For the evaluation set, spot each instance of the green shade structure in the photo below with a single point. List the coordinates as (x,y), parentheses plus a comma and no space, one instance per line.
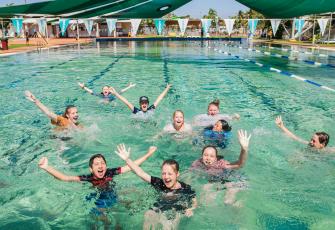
(289,8)
(95,8)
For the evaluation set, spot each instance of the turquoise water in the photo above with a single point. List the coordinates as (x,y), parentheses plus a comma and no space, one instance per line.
(289,186)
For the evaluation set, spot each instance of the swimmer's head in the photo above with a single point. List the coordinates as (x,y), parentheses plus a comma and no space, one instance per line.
(213,108)
(319,140)
(222,126)
(170,173)
(144,103)
(178,119)
(209,155)
(105,90)
(71,113)
(98,165)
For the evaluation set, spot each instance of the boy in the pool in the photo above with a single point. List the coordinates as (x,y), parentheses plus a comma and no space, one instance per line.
(144,102)
(176,197)
(101,178)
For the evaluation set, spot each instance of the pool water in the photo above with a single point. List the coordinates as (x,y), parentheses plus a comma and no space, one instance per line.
(289,185)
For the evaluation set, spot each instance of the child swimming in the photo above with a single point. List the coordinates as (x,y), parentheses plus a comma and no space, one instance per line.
(176,197)
(319,140)
(144,102)
(213,115)
(105,92)
(101,178)
(69,120)
(216,168)
(218,134)
(178,128)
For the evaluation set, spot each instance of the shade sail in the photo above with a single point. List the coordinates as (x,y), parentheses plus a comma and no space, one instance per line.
(290,8)
(94,8)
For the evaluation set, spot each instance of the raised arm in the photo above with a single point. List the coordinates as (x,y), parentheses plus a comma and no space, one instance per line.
(129,86)
(244,139)
(43,164)
(124,155)
(124,100)
(280,124)
(162,95)
(82,85)
(42,107)
(140,160)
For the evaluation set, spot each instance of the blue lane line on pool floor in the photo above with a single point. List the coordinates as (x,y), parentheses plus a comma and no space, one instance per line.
(275,70)
(282,56)
(103,72)
(297,51)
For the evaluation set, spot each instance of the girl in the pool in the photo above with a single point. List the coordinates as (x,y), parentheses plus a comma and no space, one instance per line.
(213,115)
(105,92)
(217,134)
(178,128)
(69,120)
(176,197)
(218,169)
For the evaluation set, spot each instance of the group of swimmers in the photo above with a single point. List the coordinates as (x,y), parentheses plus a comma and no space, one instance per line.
(175,196)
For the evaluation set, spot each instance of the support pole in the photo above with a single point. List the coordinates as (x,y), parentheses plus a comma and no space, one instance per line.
(2,29)
(313,38)
(78,30)
(293,29)
(97,32)
(330,26)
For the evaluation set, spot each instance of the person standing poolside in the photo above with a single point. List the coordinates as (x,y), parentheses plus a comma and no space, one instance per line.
(144,102)
(176,197)
(319,140)
(69,120)
(213,115)
(101,177)
(218,169)
(105,92)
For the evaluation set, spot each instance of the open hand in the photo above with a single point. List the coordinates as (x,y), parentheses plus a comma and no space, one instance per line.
(112,90)
(123,152)
(152,149)
(243,138)
(189,212)
(82,85)
(236,116)
(30,96)
(43,163)
(131,84)
(279,122)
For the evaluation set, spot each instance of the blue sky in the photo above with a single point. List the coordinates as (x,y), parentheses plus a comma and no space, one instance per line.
(196,8)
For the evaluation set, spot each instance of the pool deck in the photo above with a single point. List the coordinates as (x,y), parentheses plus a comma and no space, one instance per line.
(330,47)
(35,43)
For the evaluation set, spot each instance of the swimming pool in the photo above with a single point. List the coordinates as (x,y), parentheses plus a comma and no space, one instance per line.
(289,186)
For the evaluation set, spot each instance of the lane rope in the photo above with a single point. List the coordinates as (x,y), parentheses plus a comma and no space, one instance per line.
(272,69)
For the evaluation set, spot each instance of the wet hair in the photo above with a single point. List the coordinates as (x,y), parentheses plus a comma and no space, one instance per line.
(216,102)
(173,163)
(225,125)
(323,138)
(96,156)
(174,113)
(67,110)
(210,146)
